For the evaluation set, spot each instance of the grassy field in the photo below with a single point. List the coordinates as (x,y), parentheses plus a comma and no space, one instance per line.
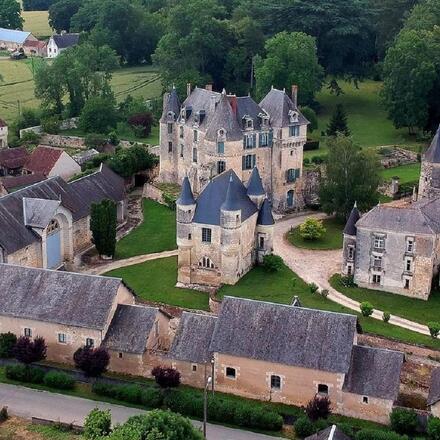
(156,233)
(367,119)
(155,281)
(282,286)
(37,22)
(407,173)
(332,238)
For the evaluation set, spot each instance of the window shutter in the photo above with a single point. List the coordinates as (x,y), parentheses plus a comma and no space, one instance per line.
(244,142)
(260,139)
(270,138)
(243,162)
(297,173)
(254,160)
(254,140)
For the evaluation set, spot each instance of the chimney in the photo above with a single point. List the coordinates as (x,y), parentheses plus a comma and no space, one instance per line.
(295,95)
(166,97)
(188,89)
(208,87)
(233,102)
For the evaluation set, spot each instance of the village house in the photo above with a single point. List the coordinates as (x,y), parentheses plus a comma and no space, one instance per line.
(395,247)
(58,43)
(434,393)
(35,48)
(51,162)
(214,132)
(12,161)
(222,233)
(12,40)
(47,224)
(3,134)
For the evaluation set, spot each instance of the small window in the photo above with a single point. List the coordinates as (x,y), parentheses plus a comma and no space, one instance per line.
(249,141)
(365,400)
(349,270)
(195,155)
(207,263)
(264,139)
(293,130)
(181,150)
(220,147)
(170,128)
(120,355)
(206,235)
(194,367)
(292,174)
(170,147)
(249,161)
(379,242)
(261,242)
(408,264)
(189,236)
(62,338)
(376,279)
(181,132)
(196,135)
(377,262)
(90,342)
(249,123)
(350,255)
(230,372)
(275,382)
(410,244)
(406,285)
(28,332)
(323,389)
(221,166)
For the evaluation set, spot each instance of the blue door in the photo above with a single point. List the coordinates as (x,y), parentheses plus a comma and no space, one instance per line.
(54,259)
(290,199)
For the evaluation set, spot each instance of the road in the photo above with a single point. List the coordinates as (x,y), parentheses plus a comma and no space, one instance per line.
(26,402)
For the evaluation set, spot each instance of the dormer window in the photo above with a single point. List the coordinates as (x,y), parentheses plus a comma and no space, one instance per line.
(171,115)
(248,123)
(182,115)
(293,116)
(221,132)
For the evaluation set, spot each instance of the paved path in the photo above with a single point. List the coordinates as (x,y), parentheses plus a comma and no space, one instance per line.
(319,266)
(98,270)
(26,402)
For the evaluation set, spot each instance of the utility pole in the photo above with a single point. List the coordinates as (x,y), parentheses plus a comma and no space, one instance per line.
(205,405)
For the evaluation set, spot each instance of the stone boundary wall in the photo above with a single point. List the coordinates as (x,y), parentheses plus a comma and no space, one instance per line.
(38,129)
(399,156)
(152,192)
(57,140)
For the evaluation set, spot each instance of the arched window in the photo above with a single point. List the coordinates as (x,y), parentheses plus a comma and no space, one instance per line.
(207,263)
(53,226)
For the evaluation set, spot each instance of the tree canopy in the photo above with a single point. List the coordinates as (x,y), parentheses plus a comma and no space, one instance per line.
(10,14)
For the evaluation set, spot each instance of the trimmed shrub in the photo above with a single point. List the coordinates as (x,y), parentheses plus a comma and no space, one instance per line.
(313,288)
(433,428)
(4,414)
(272,263)
(151,397)
(129,393)
(97,424)
(366,308)
(373,434)
(166,377)
(25,373)
(311,145)
(304,427)
(348,281)
(28,351)
(7,344)
(386,316)
(434,328)
(60,380)
(312,229)
(318,408)
(403,421)
(92,361)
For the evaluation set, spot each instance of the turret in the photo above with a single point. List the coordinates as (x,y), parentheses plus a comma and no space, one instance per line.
(265,230)
(349,245)
(429,183)
(255,189)
(230,211)
(185,208)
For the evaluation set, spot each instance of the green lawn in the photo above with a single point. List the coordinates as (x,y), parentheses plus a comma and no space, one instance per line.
(406,173)
(37,22)
(156,233)
(367,119)
(155,281)
(414,309)
(279,288)
(332,238)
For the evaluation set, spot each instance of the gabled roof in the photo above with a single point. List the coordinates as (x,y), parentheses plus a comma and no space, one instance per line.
(374,372)
(433,153)
(209,202)
(13,157)
(246,106)
(43,159)
(186,195)
(350,226)
(330,433)
(64,41)
(193,337)
(56,296)
(255,185)
(11,183)
(172,104)
(278,104)
(39,212)
(130,328)
(13,36)
(265,217)
(283,334)
(434,389)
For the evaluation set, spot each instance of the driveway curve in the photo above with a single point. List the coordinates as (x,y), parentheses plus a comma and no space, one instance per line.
(318,266)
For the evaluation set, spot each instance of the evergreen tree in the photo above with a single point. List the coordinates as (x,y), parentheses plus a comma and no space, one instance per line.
(338,122)
(103,225)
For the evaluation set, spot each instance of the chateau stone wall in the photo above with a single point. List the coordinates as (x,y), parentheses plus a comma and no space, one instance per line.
(82,235)
(57,140)
(30,256)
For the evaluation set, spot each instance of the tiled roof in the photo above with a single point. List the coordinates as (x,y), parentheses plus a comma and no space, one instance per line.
(65,40)
(285,334)
(43,159)
(13,36)
(11,183)
(56,296)
(374,372)
(13,157)
(434,389)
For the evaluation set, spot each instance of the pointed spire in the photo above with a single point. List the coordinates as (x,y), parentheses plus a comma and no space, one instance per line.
(224,91)
(255,186)
(265,217)
(186,196)
(350,226)
(232,202)
(433,153)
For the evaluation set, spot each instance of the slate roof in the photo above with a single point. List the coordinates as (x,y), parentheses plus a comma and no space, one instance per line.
(3,123)
(265,216)
(255,185)
(193,337)
(76,197)
(39,212)
(43,159)
(130,328)
(433,153)
(56,296)
(11,183)
(278,104)
(285,335)
(186,195)
(172,105)
(350,226)
(246,106)
(330,433)
(13,36)
(13,157)
(374,372)
(65,40)
(212,197)
(434,389)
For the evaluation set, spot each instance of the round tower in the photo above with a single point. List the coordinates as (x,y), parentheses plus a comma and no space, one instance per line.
(349,244)
(429,183)
(265,230)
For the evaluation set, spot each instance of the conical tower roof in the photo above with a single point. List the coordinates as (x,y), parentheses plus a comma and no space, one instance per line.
(186,195)
(433,153)
(172,105)
(350,226)
(265,217)
(255,185)
(232,201)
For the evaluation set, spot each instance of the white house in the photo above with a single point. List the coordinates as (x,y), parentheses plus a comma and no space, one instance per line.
(3,134)
(58,43)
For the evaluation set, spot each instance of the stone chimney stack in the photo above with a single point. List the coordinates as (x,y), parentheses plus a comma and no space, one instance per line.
(233,102)
(295,95)
(188,89)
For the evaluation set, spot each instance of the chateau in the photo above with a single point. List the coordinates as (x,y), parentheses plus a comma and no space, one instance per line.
(395,247)
(222,233)
(214,132)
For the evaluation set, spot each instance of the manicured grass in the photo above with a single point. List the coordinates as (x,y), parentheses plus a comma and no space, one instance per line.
(411,308)
(37,22)
(53,433)
(367,119)
(332,238)
(155,281)
(279,287)
(156,233)
(406,173)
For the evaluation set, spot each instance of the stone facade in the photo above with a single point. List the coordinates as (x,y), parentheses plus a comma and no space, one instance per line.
(213,132)
(3,134)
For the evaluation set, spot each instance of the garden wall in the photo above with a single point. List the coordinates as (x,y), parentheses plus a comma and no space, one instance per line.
(67,124)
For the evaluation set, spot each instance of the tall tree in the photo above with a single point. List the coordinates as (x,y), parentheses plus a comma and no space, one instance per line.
(103,226)
(61,13)
(351,175)
(338,122)
(290,59)
(10,14)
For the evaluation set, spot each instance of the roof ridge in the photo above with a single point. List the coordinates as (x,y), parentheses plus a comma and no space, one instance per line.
(33,184)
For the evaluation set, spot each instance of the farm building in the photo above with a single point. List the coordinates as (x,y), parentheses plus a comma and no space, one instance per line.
(13,40)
